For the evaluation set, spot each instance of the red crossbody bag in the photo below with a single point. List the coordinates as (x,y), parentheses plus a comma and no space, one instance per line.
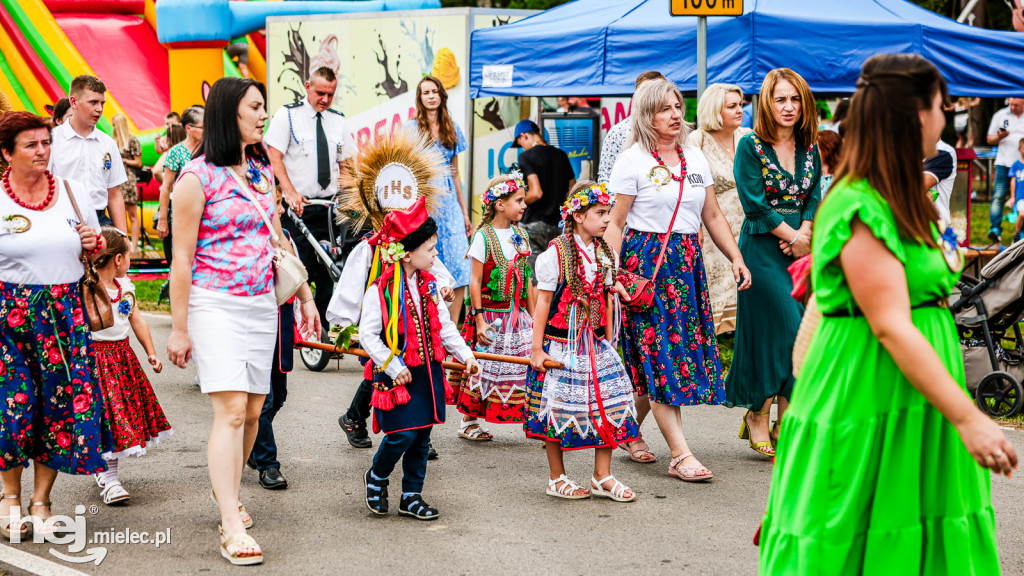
(640,289)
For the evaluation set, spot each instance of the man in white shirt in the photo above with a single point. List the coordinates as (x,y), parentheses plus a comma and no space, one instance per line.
(81,152)
(939,175)
(1005,130)
(307,143)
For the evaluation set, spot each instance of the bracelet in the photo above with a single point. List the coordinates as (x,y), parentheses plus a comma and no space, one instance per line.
(798,234)
(306,300)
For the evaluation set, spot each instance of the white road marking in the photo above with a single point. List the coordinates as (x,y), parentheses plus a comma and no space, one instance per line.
(34,564)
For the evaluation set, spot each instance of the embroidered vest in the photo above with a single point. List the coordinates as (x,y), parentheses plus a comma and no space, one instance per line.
(590,298)
(505,280)
(416,335)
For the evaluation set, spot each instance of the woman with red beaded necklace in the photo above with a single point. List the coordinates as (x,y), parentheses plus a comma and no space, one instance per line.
(53,414)
(666,192)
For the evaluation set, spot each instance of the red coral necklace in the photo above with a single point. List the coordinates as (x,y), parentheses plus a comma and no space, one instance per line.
(23,204)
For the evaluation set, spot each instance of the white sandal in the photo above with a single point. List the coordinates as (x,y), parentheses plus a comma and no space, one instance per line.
(616,493)
(114,493)
(476,434)
(566,489)
(99,480)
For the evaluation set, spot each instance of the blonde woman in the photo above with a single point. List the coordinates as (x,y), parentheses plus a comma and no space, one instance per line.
(665,193)
(719,115)
(131,155)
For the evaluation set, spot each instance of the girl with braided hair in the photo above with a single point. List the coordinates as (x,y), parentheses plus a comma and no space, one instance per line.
(589,402)
(500,314)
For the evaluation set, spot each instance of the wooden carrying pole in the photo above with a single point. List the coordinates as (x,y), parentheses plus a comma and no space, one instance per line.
(447,365)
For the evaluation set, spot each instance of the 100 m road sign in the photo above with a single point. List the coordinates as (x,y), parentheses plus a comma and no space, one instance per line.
(706,7)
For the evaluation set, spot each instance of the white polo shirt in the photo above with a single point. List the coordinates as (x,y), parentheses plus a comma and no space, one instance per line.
(293,133)
(1007,153)
(94,161)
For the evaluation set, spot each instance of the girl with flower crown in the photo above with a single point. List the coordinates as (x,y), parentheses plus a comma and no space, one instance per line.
(500,315)
(588,403)
(129,403)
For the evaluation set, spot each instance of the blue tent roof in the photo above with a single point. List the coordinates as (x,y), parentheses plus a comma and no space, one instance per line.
(598,47)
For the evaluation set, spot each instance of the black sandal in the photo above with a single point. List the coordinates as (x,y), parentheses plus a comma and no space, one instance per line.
(415,506)
(376,494)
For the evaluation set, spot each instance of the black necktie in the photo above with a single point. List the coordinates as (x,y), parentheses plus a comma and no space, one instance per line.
(323,163)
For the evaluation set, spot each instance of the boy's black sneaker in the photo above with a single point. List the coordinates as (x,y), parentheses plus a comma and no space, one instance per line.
(415,506)
(355,432)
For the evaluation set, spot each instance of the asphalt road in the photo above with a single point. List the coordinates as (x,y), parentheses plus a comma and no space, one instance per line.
(495,517)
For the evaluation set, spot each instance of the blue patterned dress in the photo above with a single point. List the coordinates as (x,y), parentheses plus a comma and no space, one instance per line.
(452,242)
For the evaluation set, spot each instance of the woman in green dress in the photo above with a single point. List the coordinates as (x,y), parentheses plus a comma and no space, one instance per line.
(778,172)
(877,465)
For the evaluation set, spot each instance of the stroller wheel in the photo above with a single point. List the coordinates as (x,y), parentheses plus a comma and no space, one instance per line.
(999,395)
(316,360)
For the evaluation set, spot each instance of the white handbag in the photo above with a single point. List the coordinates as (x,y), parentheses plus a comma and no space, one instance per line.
(289,272)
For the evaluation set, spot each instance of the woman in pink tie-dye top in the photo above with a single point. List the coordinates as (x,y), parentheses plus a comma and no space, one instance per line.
(233,248)
(223,306)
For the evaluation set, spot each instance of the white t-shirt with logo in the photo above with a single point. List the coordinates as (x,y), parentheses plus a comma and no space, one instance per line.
(652,208)
(48,252)
(1008,146)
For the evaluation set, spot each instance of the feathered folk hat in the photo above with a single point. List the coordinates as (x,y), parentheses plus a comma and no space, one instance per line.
(389,174)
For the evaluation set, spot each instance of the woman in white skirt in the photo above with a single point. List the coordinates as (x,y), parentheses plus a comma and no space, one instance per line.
(224,312)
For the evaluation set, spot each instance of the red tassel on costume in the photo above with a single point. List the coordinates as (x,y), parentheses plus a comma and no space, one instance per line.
(449,392)
(401,395)
(368,371)
(397,396)
(382,400)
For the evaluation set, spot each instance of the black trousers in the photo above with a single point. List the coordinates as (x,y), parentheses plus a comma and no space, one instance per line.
(315,218)
(359,409)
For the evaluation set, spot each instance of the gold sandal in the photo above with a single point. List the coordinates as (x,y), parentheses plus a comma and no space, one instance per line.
(763,448)
(246,518)
(7,521)
(231,548)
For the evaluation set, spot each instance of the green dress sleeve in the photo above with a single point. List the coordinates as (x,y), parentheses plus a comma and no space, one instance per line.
(760,217)
(814,192)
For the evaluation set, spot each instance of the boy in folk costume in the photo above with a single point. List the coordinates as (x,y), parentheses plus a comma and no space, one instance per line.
(365,196)
(407,335)
(589,403)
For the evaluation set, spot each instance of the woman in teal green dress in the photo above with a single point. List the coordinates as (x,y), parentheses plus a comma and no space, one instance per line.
(778,174)
(878,462)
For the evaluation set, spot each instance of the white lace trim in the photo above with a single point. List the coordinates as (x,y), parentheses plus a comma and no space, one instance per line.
(138,451)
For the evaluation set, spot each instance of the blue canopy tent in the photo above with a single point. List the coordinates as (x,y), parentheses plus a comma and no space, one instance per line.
(598,47)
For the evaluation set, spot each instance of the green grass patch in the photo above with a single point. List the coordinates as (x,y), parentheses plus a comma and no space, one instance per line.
(146,294)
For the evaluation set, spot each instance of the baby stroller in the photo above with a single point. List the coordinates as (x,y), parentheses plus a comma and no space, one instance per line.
(333,252)
(988,313)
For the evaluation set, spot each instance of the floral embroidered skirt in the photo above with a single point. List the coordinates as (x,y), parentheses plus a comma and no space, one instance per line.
(568,406)
(136,419)
(53,412)
(671,348)
(498,393)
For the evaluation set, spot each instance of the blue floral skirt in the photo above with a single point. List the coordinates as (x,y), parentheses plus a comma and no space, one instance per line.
(671,348)
(54,411)
(452,243)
